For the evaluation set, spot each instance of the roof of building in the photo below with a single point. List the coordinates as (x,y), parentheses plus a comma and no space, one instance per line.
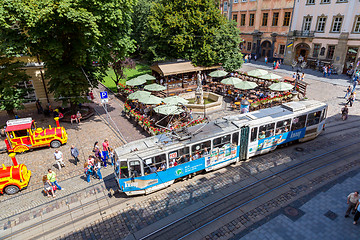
(18,124)
(174,68)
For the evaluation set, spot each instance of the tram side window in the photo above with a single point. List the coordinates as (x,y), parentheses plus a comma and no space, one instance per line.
(282,126)
(155,164)
(200,149)
(266,131)
(298,122)
(253,134)
(135,169)
(313,118)
(179,157)
(235,139)
(124,172)
(221,141)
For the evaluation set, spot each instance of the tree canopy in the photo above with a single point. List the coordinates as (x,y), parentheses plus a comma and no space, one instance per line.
(68,36)
(192,29)
(12,94)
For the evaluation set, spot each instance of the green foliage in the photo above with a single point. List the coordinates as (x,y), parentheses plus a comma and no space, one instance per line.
(12,96)
(68,35)
(191,29)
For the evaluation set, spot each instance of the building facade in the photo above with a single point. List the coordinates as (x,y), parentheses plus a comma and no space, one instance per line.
(264,25)
(325,32)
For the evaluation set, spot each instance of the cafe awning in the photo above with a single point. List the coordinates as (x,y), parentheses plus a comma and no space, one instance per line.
(174,68)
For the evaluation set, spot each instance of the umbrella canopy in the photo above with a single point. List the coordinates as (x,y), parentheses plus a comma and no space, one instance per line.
(231,81)
(138,94)
(281,86)
(245,85)
(150,100)
(168,110)
(146,77)
(218,73)
(135,82)
(270,76)
(154,87)
(257,73)
(175,100)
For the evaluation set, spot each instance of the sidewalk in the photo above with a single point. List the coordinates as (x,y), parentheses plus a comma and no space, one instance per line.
(286,70)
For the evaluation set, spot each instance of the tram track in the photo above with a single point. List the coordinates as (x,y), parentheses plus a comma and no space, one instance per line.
(189,224)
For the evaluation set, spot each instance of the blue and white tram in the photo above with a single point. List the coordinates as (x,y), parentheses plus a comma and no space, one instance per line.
(153,163)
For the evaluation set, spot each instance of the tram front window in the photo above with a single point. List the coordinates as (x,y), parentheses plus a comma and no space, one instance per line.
(124,172)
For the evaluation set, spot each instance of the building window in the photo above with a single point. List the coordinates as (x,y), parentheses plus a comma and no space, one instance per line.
(225,6)
(357,25)
(236,1)
(275,19)
(287,19)
(310,2)
(337,21)
(242,20)
(243,0)
(322,51)
(307,24)
(235,17)
(325,1)
(252,18)
(341,1)
(330,52)
(265,19)
(249,46)
(321,24)
(282,49)
(316,50)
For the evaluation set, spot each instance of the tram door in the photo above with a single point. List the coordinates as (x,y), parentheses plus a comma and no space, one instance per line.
(244,140)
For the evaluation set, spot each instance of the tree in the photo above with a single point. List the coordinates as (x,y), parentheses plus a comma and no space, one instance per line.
(12,95)
(192,29)
(119,66)
(69,35)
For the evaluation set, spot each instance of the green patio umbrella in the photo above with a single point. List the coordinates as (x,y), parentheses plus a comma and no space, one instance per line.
(231,81)
(135,82)
(150,100)
(168,110)
(270,76)
(244,85)
(138,94)
(257,73)
(218,73)
(154,87)
(174,100)
(146,77)
(281,86)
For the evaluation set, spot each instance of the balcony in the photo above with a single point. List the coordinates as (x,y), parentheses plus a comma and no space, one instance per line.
(302,34)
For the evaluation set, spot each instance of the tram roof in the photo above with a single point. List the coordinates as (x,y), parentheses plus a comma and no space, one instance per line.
(152,145)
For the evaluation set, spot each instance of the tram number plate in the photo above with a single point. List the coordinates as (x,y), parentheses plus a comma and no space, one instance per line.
(173,155)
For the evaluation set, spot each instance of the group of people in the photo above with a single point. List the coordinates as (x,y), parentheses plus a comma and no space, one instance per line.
(248,58)
(350,97)
(50,183)
(76,117)
(327,70)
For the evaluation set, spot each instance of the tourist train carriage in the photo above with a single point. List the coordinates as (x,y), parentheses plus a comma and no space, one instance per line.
(153,163)
(14,178)
(22,135)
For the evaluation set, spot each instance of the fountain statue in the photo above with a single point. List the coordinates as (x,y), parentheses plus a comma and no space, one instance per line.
(199,93)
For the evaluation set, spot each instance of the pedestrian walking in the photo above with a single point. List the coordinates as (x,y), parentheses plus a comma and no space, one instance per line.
(53,180)
(266,59)
(352,200)
(355,83)
(350,99)
(48,188)
(348,91)
(105,152)
(246,58)
(88,171)
(112,156)
(59,159)
(97,168)
(274,65)
(325,70)
(75,153)
(357,213)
